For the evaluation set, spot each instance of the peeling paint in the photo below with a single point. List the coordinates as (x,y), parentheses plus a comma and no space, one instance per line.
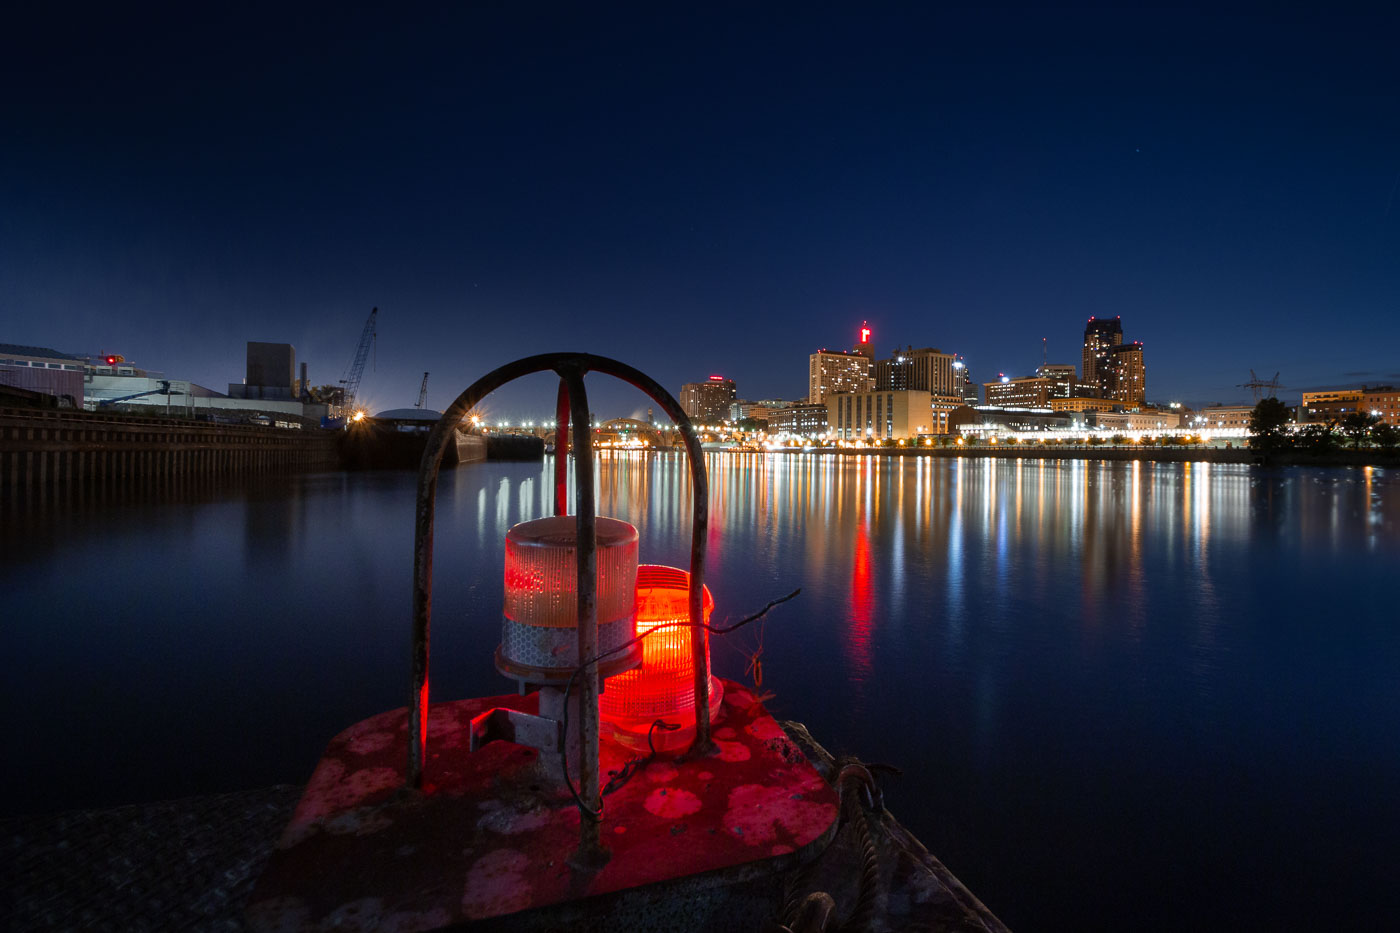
(508,821)
(765,729)
(732,751)
(670,803)
(760,816)
(358,822)
(496,884)
(370,742)
(361,849)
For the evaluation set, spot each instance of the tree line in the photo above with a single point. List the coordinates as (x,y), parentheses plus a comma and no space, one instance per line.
(1270,431)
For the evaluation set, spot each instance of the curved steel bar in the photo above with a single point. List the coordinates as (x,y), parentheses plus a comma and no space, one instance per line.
(423,531)
(590,851)
(561,449)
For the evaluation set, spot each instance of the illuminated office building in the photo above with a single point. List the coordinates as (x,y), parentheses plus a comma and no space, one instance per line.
(832,371)
(881,415)
(1122,376)
(1100,336)
(708,402)
(927,369)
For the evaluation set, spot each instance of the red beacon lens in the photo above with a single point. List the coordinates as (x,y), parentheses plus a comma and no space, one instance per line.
(664,686)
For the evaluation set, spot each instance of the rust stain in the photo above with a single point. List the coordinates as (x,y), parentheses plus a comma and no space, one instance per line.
(486,837)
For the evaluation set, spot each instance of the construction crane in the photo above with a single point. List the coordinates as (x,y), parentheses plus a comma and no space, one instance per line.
(422,392)
(351,382)
(1259,385)
(163,390)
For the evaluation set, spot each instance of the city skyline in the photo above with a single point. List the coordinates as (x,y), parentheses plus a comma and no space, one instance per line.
(506,181)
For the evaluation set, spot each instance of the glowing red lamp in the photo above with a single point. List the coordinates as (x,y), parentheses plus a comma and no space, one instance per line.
(539,630)
(664,686)
(539,635)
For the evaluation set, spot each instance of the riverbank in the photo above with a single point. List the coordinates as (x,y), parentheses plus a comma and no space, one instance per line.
(45,450)
(1183,454)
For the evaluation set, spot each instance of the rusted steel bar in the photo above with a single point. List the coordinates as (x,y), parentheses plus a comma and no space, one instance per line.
(590,851)
(423,546)
(699,530)
(561,450)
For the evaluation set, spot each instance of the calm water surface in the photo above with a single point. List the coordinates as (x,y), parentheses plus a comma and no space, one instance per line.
(1123,695)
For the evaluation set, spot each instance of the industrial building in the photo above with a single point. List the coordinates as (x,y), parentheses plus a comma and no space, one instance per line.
(45,371)
(270,373)
(113,383)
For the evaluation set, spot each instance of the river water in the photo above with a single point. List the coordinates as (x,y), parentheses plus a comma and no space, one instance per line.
(1122,695)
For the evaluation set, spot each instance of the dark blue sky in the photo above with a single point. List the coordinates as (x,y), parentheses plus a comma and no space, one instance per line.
(704,189)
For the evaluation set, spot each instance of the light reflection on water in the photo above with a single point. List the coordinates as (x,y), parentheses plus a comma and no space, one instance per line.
(1121,678)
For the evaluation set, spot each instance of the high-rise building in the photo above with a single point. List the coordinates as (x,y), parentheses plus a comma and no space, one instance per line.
(708,402)
(1122,376)
(963,386)
(830,371)
(864,346)
(927,369)
(1100,334)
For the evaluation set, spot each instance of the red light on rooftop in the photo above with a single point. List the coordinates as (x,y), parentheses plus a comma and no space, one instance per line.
(716,378)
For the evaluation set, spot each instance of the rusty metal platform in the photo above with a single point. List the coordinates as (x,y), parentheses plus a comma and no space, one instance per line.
(486,839)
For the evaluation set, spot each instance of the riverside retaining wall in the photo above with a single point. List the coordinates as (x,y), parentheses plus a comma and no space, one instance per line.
(42,450)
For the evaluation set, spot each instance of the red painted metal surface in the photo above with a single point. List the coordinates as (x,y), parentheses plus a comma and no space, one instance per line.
(485,837)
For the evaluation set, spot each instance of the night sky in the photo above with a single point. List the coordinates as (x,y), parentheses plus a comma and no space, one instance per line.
(703,189)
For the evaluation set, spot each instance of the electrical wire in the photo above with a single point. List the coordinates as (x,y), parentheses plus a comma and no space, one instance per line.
(597,815)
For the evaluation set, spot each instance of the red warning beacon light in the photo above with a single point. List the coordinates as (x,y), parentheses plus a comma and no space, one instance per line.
(664,686)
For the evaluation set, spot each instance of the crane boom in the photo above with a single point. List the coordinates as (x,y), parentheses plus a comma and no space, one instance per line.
(422,392)
(357,365)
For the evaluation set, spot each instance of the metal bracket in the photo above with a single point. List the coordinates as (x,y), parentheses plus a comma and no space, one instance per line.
(511,725)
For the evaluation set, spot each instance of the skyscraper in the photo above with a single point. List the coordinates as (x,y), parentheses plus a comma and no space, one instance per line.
(830,371)
(1099,335)
(1123,375)
(708,402)
(926,369)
